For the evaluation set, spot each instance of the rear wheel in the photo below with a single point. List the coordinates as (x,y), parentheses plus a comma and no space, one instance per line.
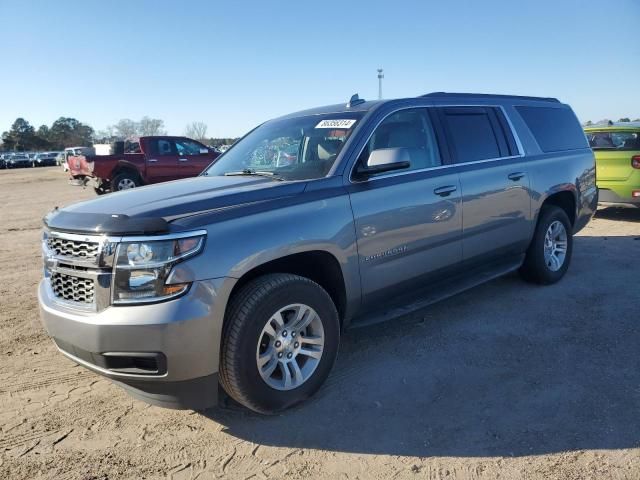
(549,254)
(125,181)
(280,340)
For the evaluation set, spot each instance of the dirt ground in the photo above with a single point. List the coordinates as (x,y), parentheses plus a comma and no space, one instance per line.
(508,380)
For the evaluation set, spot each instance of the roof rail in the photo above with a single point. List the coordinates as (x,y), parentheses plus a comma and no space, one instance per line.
(487,95)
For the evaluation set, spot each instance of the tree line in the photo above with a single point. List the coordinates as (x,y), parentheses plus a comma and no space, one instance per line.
(69,132)
(605,121)
(64,132)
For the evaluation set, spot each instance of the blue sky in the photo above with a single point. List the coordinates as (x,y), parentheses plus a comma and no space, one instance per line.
(236,63)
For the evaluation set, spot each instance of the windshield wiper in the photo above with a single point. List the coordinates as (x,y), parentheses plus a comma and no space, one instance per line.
(248,171)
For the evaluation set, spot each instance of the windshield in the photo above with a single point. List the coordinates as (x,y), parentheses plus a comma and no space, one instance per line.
(611,140)
(300,148)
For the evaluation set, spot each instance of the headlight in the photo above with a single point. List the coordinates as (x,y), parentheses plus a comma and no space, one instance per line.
(143,267)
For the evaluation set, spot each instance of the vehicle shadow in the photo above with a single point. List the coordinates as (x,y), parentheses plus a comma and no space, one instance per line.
(505,369)
(620,213)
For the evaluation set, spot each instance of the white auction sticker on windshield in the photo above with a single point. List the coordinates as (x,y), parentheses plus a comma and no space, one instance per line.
(336,123)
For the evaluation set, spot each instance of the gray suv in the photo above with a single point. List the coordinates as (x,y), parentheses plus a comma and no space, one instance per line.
(239,283)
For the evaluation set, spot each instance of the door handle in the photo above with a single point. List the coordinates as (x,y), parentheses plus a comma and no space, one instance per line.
(152,160)
(445,191)
(515,176)
(182,159)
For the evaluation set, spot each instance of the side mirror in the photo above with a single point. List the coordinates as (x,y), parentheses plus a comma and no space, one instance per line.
(385,160)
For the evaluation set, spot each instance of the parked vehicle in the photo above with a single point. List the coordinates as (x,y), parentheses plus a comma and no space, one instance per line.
(248,274)
(47,159)
(3,161)
(60,159)
(617,151)
(75,151)
(18,160)
(152,160)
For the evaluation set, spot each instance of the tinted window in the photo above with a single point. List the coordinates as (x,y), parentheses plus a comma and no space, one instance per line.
(188,147)
(471,134)
(555,129)
(162,147)
(611,140)
(410,129)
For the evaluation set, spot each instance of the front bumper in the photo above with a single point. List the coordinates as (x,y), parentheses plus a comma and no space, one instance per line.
(182,335)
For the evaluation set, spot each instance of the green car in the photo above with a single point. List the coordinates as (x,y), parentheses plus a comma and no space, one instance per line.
(617,150)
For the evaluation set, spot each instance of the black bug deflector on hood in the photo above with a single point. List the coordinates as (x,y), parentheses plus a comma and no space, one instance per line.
(151,210)
(75,222)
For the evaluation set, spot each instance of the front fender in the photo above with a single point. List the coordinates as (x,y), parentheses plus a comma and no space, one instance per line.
(310,222)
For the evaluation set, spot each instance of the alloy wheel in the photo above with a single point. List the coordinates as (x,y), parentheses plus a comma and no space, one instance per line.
(555,246)
(290,347)
(126,183)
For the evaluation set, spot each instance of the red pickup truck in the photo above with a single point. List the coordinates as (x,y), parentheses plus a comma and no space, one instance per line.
(152,160)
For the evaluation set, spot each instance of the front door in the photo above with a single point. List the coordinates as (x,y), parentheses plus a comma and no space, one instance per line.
(193,158)
(162,161)
(408,222)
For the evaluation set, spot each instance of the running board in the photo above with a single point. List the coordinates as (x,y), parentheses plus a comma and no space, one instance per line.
(437,291)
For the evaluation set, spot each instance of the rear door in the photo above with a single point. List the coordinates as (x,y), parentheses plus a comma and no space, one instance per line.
(162,160)
(193,157)
(496,198)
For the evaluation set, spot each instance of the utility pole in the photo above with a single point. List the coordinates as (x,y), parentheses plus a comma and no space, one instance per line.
(380,77)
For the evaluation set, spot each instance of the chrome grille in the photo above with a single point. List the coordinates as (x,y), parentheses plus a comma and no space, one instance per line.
(72,288)
(73,248)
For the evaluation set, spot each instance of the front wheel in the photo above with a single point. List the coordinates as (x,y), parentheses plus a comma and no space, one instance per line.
(280,340)
(549,254)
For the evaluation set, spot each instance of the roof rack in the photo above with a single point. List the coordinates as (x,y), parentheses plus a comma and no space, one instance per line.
(486,95)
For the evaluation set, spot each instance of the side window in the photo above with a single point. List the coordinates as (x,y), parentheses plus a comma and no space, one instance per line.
(187,147)
(555,128)
(473,134)
(162,146)
(410,129)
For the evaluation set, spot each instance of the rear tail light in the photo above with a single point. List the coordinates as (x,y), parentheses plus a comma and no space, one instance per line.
(635,161)
(635,194)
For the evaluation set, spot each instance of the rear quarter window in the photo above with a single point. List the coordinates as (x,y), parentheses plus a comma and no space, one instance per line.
(555,129)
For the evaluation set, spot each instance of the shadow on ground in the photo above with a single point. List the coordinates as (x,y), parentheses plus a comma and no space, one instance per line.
(620,213)
(505,369)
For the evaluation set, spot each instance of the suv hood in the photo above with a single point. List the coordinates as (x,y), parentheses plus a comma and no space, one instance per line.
(150,209)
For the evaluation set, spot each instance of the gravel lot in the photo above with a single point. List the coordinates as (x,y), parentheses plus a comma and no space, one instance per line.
(508,380)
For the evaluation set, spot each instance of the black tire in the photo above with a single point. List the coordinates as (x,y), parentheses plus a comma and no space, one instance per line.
(535,269)
(248,312)
(124,177)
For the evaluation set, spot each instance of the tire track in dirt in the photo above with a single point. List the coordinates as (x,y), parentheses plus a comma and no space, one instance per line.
(38,383)
(11,441)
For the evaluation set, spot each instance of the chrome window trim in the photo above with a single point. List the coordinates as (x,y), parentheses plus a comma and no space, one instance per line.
(439,167)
